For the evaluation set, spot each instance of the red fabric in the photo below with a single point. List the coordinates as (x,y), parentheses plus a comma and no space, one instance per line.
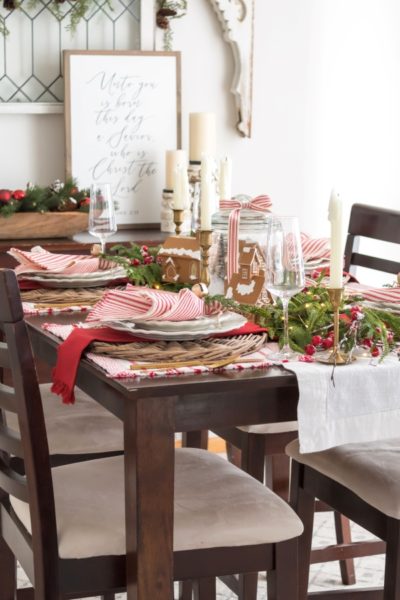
(70,351)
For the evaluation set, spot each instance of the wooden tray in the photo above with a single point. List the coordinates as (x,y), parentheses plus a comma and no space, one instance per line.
(34,225)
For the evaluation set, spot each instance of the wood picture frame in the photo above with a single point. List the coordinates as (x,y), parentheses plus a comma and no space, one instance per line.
(122,112)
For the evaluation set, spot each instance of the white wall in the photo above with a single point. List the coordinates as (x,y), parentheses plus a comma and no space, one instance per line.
(326,106)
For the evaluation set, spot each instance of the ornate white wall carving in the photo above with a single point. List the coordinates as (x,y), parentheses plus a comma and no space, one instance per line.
(237,20)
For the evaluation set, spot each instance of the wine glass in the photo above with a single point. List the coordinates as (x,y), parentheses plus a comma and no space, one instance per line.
(102,223)
(284,269)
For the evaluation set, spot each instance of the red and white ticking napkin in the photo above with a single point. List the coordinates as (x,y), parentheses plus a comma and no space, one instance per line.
(77,339)
(391,294)
(145,304)
(39,259)
(314,248)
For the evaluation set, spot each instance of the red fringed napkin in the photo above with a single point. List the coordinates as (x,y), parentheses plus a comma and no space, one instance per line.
(70,351)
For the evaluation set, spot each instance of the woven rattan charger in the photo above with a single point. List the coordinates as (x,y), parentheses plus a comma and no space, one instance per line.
(210,352)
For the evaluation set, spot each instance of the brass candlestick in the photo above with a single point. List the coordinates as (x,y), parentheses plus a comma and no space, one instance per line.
(336,357)
(205,245)
(178,219)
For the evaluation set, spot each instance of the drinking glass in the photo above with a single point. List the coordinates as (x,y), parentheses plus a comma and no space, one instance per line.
(102,223)
(284,273)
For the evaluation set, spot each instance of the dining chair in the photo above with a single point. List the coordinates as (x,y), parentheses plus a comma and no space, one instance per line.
(260,449)
(362,481)
(66,525)
(374,223)
(87,431)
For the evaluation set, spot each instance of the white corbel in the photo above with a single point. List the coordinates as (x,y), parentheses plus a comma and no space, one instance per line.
(237,20)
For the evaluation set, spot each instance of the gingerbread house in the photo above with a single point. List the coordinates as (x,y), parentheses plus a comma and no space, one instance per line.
(180,259)
(247,284)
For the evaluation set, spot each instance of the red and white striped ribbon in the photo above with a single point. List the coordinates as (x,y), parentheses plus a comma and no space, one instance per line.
(261,204)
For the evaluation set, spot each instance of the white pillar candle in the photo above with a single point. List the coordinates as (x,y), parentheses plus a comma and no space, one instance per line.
(336,220)
(178,200)
(205,193)
(202,135)
(184,186)
(225,178)
(172,159)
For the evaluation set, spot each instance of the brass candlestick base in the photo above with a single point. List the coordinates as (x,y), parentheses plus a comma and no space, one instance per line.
(178,219)
(205,245)
(336,357)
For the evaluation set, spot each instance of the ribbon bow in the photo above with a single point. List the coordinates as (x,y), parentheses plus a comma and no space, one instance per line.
(261,204)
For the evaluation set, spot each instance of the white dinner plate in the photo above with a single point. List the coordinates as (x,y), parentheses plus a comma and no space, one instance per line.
(82,282)
(182,334)
(216,322)
(67,276)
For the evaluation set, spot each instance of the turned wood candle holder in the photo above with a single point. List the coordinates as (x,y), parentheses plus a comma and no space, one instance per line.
(205,245)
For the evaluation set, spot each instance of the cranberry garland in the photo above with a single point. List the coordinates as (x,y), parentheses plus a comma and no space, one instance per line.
(56,197)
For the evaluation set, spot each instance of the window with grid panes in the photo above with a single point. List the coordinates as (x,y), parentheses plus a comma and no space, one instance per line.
(31,54)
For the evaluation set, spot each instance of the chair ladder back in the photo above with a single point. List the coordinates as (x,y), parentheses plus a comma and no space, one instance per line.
(374,223)
(4,357)
(36,486)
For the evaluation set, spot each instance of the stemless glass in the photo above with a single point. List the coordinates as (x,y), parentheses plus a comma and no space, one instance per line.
(102,223)
(284,273)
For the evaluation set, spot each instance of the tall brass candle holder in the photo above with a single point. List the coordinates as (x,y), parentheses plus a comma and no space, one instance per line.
(336,357)
(205,245)
(178,219)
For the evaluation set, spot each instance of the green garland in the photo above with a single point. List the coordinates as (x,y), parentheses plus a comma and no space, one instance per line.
(310,322)
(76,11)
(310,311)
(57,197)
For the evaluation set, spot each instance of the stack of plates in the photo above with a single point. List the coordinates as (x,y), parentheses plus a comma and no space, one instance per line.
(58,280)
(181,330)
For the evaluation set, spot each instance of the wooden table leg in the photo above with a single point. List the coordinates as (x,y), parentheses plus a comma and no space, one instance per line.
(149,487)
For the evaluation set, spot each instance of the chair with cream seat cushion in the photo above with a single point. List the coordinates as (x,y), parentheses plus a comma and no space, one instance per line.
(215,505)
(84,428)
(362,481)
(75,512)
(365,222)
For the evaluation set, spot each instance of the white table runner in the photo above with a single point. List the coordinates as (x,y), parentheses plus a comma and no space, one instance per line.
(349,404)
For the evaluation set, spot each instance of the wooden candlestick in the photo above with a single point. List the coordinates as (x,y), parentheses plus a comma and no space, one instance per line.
(178,219)
(205,245)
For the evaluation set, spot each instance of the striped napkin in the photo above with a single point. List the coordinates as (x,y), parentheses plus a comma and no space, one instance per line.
(373,294)
(39,259)
(145,304)
(314,248)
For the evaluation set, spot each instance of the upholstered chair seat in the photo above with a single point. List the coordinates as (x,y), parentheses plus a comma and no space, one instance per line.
(216,505)
(370,470)
(82,428)
(268,428)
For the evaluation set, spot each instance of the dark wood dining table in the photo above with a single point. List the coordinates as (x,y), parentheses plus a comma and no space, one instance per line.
(152,411)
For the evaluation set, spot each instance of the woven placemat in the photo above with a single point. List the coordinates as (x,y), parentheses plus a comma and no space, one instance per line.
(46,297)
(174,354)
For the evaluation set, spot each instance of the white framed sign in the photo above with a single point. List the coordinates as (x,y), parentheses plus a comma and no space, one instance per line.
(122,112)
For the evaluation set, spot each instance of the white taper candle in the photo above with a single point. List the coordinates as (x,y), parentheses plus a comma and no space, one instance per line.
(205,193)
(225,178)
(336,220)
